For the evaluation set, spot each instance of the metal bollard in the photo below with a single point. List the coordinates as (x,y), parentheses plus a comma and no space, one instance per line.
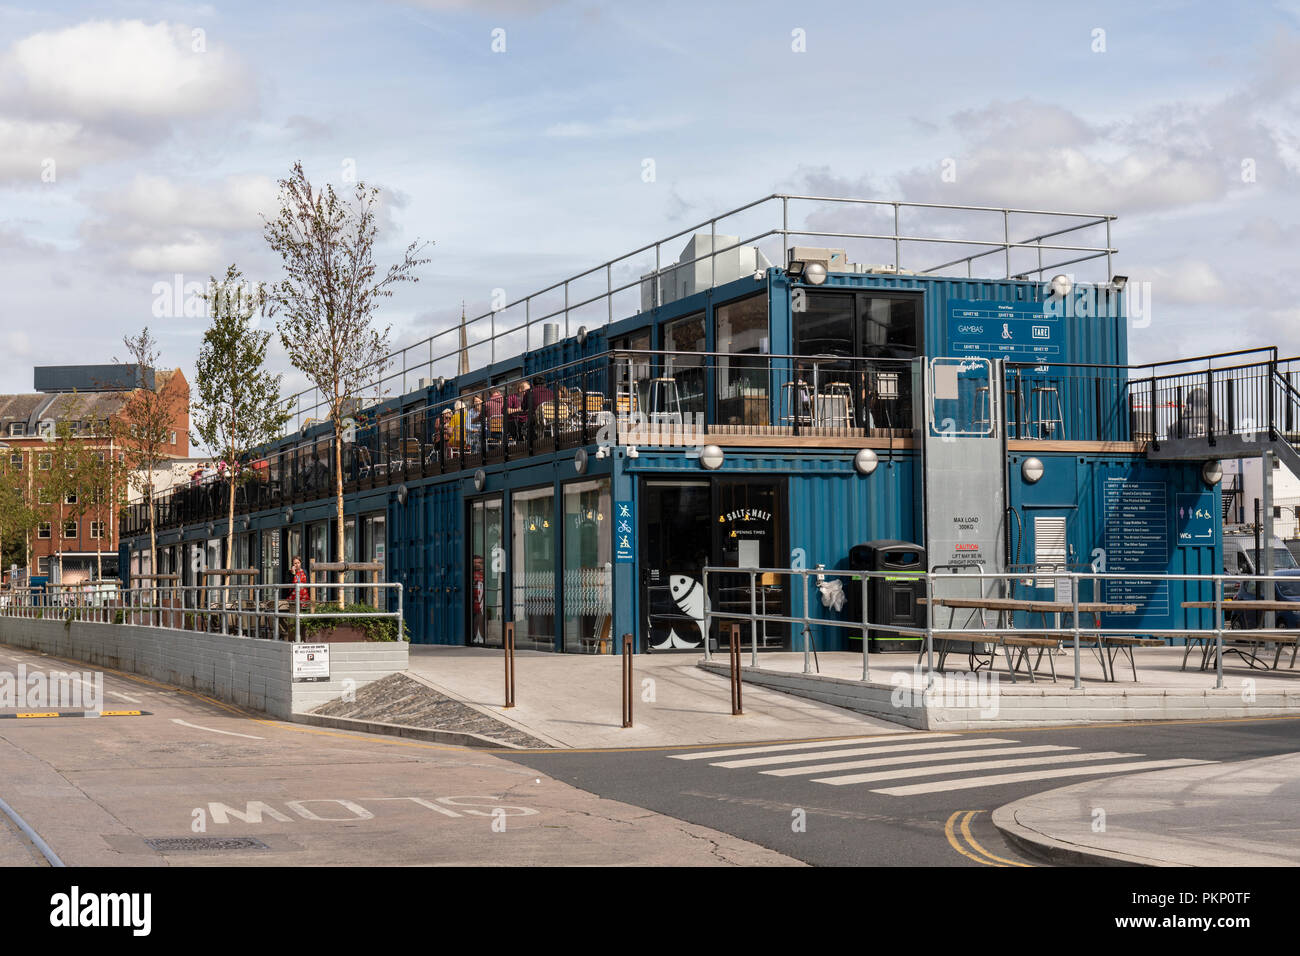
(627,680)
(734,646)
(508,643)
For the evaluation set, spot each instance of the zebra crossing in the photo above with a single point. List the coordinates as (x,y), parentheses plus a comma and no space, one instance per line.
(913,764)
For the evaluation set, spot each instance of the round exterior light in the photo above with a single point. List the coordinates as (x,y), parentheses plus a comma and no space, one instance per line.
(1212,472)
(480,479)
(211,527)
(580,461)
(288,515)
(402,493)
(1061,285)
(711,457)
(582,335)
(865,461)
(1031,469)
(814,273)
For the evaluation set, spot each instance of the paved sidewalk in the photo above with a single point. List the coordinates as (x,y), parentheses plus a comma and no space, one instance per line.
(574,701)
(1236,814)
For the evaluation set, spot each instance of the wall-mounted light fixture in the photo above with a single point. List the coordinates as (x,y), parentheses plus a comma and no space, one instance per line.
(582,335)
(1119,282)
(814,273)
(480,480)
(402,494)
(580,461)
(288,514)
(865,461)
(1031,469)
(711,457)
(1061,285)
(1212,472)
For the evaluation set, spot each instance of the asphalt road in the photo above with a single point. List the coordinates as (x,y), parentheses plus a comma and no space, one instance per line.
(919,807)
(224,787)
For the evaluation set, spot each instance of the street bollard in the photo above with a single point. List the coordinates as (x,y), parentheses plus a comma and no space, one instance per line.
(508,643)
(627,680)
(734,646)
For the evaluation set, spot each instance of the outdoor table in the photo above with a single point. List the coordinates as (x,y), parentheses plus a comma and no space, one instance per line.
(1005,606)
(1261,605)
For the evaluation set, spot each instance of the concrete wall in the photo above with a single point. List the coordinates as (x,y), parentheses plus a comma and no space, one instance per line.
(251,673)
(1025,706)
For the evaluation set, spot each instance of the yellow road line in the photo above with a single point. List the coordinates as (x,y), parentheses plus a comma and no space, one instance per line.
(950,832)
(965,831)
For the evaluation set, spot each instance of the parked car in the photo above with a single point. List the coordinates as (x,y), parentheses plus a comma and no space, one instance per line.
(1247,591)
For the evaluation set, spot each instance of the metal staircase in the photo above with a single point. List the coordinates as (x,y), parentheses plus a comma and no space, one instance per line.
(1222,411)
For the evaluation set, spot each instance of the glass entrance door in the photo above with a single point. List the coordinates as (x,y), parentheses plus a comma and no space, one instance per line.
(749,533)
(487,565)
(675,548)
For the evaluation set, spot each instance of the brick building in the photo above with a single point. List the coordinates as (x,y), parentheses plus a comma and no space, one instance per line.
(89,399)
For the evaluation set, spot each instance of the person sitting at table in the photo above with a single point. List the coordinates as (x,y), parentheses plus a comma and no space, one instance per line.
(474,424)
(536,398)
(517,410)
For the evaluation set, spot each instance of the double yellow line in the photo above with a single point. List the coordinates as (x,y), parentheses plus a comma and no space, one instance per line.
(957,833)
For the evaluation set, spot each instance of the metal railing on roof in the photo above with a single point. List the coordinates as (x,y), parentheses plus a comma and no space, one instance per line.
(504,333)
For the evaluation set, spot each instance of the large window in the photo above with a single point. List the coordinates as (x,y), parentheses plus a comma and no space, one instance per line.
(741,333)
(680,388)
(533,577)
(880,333)
(587,566)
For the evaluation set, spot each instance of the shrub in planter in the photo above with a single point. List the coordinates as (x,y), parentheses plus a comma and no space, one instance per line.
(366,626)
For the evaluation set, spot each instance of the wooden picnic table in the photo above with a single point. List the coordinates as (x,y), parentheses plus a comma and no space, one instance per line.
(1105,647)
(1249,658)
(1034,607)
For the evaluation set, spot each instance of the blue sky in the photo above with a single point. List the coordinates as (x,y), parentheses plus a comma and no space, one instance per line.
(525,166)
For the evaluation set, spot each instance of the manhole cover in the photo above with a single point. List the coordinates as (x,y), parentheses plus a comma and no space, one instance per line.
(182,844)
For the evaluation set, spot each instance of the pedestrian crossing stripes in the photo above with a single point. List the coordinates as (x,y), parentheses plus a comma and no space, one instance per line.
(955,762)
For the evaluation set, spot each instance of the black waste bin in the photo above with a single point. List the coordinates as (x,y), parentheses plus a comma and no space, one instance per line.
(893,598)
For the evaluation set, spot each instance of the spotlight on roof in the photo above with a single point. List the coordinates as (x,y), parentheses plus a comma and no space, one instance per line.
(1119,282)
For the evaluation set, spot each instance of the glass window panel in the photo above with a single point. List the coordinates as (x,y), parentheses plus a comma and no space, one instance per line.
(533,571)
(587,566)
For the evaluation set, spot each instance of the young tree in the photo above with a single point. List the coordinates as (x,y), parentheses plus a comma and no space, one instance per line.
(103,483)
(141,428)
(18,518)
(329,294)
(239,404)
(67,497)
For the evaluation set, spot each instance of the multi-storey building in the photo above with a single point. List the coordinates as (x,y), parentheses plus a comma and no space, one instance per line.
(650,438)
(80,401)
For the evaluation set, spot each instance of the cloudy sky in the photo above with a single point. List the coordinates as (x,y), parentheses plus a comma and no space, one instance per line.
(141,141)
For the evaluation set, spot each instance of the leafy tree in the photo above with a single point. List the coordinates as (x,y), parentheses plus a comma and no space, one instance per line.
(141,430)
(238,404)
(18,518)
(328,297)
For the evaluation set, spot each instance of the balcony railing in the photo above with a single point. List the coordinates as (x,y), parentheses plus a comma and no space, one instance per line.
(646,399)
(883,235)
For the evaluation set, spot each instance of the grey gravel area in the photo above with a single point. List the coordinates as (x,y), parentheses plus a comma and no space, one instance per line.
(397,699)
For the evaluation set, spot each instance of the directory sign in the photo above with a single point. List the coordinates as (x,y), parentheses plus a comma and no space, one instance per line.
(1016,331)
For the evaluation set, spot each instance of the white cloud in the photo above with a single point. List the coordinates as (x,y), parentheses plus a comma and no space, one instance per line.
(159,202)
(102,70)
(1183,282)
(191,253)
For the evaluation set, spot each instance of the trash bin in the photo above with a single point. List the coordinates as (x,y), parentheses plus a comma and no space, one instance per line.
(892,599)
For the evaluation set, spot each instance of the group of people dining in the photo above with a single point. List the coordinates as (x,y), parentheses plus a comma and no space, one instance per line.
(505,414)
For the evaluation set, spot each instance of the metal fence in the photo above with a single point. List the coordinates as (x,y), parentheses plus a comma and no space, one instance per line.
(260,611)
(1229,617)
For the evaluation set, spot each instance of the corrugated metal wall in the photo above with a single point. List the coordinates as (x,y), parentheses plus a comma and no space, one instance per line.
(1075,487)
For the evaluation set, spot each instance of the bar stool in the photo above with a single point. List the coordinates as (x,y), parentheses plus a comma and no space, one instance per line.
(798,401)
(1043,397)
(836,405)
(664,401)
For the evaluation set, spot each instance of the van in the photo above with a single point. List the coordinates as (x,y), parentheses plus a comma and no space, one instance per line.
(1239,554)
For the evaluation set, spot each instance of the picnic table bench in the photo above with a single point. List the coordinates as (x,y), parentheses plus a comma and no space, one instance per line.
(1240,644)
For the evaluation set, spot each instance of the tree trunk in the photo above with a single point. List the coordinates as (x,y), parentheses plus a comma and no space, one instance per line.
(99,545)
(230,521)
(338,497)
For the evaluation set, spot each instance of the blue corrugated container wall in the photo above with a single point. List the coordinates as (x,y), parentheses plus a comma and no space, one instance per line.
(832,512)
(426,553)
(1075,486)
